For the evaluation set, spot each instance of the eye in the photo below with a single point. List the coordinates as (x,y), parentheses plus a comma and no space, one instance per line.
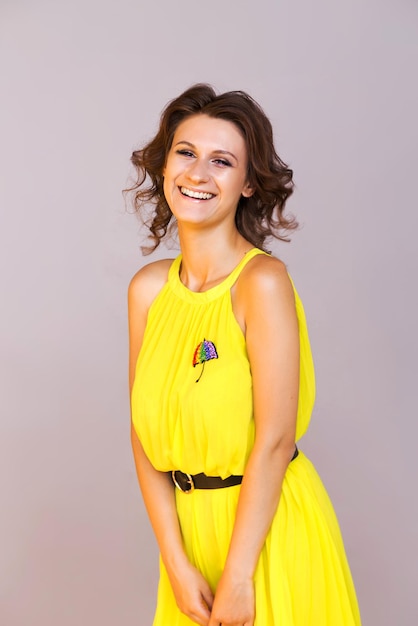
(185,152)
(222,162)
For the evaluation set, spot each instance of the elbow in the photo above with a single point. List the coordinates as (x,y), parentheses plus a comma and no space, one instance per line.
(286,449)
(280,450)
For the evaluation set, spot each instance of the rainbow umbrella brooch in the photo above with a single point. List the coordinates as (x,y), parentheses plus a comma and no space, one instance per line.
(205,351)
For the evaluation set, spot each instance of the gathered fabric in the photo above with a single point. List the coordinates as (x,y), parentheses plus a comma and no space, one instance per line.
(192,409)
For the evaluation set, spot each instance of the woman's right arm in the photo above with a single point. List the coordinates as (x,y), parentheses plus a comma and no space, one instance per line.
(192,592)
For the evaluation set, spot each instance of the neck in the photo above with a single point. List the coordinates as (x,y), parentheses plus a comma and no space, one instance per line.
(207,258)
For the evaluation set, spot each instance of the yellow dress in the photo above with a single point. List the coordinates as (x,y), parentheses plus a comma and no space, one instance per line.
(302,577)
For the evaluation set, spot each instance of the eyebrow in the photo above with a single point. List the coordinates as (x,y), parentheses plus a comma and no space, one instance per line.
(216,151)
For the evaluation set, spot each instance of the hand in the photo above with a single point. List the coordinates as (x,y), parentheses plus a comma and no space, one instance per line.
(193,595)
(234,603)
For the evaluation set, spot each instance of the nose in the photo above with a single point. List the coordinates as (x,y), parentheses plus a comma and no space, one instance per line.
(197,172)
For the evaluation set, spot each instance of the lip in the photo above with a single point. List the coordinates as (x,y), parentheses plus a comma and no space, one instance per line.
(197,192)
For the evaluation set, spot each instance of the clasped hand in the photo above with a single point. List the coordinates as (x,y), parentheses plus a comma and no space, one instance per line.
(233,604)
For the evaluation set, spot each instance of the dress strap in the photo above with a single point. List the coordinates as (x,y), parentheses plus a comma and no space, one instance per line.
(183,292)
(233,276)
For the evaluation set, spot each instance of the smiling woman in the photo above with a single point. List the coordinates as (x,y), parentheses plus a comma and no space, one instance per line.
(258,215)
(247,534)
(205,173)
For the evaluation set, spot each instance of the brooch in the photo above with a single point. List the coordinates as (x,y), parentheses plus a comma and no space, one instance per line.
(205,351)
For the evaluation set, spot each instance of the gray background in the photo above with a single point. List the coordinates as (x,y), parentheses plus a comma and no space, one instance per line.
(83,83)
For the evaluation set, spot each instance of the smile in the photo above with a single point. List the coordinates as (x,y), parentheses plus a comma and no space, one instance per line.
(199,195)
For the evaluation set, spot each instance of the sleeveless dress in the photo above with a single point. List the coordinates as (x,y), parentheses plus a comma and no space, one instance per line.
(192,410)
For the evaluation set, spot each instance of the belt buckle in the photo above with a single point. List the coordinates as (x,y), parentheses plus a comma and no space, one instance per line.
(188,478)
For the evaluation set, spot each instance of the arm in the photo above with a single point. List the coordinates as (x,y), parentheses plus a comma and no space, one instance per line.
(191,591)
(265,303)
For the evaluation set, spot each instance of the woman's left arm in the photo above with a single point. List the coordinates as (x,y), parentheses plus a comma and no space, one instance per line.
(265,296)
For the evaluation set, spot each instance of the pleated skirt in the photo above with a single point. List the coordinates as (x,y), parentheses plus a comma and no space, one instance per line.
(302,577)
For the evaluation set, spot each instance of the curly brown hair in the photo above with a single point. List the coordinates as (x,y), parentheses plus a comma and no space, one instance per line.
(257,217)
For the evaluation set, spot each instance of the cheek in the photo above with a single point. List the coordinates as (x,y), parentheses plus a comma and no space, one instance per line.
(170,169)
(168,193)
(165,187)
(166,166)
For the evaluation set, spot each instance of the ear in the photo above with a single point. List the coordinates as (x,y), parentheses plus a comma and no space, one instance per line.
(247,191)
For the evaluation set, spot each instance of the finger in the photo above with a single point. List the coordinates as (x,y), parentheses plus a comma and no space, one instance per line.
(201,615)
(198,620)
(214,622)
(208,598)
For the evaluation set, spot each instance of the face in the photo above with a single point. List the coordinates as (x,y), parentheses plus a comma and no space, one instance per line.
(206,171)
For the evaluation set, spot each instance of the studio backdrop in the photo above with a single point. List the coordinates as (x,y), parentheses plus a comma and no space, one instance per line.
(83,84)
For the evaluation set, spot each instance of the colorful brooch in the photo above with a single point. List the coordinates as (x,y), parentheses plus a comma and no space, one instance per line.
(205,351)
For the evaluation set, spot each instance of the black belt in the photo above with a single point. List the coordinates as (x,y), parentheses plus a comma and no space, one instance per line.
(188,483)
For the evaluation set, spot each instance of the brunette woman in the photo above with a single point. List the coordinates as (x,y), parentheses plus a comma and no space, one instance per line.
(222,383)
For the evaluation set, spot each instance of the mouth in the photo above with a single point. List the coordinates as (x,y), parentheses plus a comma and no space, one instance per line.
(197,195)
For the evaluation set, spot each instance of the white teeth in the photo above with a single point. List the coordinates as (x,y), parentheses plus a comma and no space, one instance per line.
(199,195)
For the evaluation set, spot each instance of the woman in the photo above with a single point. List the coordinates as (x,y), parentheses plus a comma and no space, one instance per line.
(222,383)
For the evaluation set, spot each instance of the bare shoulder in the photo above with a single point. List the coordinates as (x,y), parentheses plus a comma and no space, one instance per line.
(263,277)
(148,282)
(263,292)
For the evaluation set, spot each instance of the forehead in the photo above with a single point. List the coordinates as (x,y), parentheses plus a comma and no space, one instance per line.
(212,132)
